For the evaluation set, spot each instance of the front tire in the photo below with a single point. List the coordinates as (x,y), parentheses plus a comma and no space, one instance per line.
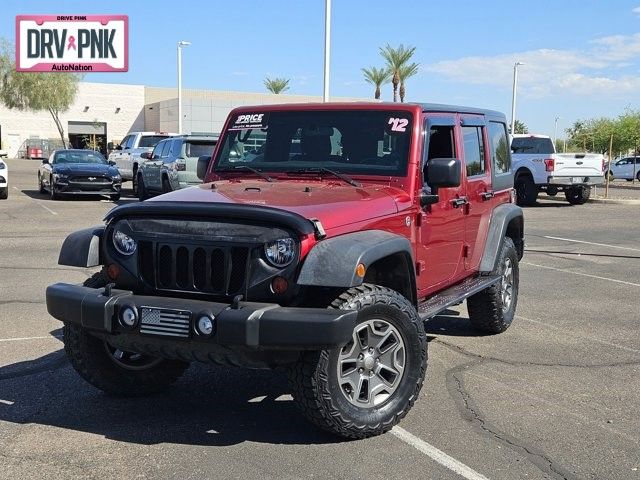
(578,195)
(492,310)
(114,371)
(52,190)
(366,387)
(4,193)
(142,190)
(526,191)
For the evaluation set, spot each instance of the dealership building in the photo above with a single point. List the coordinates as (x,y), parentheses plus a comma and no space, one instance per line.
(106,112)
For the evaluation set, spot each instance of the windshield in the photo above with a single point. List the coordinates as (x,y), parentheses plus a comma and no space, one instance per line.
(81,156)
(365,142)
(532,145)
(197,149)
(151,140)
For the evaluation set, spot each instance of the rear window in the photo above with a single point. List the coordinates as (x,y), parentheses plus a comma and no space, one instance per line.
(151,140)
(532,145)
(198,149)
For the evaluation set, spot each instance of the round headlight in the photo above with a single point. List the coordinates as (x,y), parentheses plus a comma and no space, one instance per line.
(281,252)
(124,243)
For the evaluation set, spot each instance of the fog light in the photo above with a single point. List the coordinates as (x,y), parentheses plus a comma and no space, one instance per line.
(279,285)
(205,325)
(128,317)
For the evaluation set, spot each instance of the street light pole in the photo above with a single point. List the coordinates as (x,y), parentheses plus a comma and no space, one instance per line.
(513,96)
(181,44)
(327,48)
(555,131)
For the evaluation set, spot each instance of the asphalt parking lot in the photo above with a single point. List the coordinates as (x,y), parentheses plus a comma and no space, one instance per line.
(556,396)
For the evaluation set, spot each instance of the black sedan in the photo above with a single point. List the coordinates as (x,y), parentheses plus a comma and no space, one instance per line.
(79,172)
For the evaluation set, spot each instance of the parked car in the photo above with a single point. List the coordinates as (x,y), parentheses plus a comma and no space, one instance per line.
(126,155)
(173,164)
(4,180)
(538,168)
(626,168)
(79,172)
(326,263)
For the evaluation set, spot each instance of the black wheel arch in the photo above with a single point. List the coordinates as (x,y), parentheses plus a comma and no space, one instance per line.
(507,220)
(387,257)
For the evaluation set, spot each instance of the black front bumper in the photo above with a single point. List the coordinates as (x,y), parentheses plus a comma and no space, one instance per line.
(264,326)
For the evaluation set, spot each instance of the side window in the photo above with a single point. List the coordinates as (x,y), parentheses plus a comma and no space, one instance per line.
(166,146)
(473,150)
(130,141)
(157,151)
(441,142)
(176,146)
(123,142)
(500,158)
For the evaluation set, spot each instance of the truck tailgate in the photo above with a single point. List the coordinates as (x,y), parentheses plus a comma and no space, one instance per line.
(578,164)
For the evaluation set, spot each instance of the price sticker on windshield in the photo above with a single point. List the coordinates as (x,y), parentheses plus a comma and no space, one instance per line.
(246,121)
(398,124)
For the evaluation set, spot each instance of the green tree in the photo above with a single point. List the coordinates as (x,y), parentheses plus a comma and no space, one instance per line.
(276,85)
(396,58)
(406,71)
(51,92)
(520,127)
(377,77)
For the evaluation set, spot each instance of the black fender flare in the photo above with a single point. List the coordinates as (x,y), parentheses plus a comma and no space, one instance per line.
(82,248)
(507,220)
(332,262)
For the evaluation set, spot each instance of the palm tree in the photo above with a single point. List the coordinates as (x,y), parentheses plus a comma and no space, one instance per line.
(405,72)
(276,85)
(378,77)
(396,58)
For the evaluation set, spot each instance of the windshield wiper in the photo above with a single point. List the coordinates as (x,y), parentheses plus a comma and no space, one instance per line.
(251,169)
(339,175)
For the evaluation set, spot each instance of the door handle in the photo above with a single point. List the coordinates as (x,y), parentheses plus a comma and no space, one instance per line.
(458,202)
(487,195)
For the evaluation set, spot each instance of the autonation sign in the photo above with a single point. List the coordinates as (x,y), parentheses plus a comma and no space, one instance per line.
(72,43)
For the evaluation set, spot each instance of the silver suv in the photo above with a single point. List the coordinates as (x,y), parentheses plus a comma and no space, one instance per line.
(173,164)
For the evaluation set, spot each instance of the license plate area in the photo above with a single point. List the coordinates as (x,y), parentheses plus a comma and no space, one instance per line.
(165,322)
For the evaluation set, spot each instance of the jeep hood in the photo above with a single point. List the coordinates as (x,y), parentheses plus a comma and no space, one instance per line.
(334,204)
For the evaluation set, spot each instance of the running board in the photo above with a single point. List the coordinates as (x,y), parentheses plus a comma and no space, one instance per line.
(454,295)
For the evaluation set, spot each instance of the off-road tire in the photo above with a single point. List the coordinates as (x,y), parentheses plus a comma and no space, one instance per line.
(526,191)
(89,357)
(4,193)
(142,190)
(166,186)
(578,195)
(485,308)
(313,378)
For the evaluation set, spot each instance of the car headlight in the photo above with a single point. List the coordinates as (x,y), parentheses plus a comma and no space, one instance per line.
(124,243)
(281,252)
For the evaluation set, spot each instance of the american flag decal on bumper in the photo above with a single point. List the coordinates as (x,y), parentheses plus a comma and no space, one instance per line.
(162,321)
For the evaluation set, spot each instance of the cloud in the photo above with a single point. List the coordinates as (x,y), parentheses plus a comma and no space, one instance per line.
(636,11)
(597,69)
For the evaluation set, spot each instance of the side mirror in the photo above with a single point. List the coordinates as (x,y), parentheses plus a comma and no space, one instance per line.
(443,173)
(109,145)
(118,147)
(146,155)
(45,161)
(203,164)
(112,163)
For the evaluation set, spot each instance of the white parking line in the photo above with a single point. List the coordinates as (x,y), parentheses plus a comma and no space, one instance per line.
(38,203)
(591,243)
(581,274)
(437,455)
(22,339)
(586,337)
(6,402)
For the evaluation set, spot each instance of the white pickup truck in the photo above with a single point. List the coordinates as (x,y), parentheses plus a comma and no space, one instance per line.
(538,168)
(127,155)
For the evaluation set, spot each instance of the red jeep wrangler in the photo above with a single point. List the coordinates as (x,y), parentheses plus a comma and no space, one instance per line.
(323,237)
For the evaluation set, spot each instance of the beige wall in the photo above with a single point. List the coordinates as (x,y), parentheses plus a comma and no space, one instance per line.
(102,100)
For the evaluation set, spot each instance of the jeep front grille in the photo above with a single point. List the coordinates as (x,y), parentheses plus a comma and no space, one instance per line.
(216,270)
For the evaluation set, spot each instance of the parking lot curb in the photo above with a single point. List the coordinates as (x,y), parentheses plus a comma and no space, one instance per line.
(615,201)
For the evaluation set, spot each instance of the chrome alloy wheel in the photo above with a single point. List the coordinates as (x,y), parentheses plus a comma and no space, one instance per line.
(130,360)
(371,365)
(507,285)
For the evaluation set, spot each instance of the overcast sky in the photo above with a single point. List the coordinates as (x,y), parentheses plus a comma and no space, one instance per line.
(582,56)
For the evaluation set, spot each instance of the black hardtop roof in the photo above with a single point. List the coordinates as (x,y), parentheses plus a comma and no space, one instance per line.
(441,107)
